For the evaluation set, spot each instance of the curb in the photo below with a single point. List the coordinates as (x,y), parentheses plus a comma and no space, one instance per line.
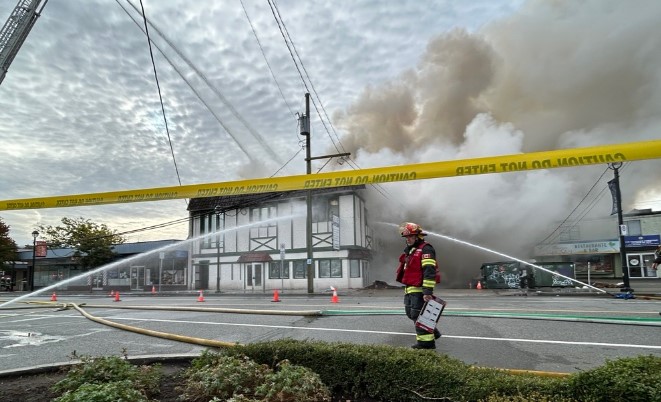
(143,359)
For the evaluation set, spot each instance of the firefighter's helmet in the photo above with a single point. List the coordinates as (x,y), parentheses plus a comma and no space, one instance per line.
(410,228)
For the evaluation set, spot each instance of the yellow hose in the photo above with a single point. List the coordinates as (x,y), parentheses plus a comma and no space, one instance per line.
(531,372)
(304,313)
(158,334)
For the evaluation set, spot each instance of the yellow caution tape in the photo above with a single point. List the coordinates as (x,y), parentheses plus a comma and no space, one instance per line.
(463,167)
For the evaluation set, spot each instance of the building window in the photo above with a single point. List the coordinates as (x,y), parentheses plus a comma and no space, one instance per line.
(569,233)
(276,272)
(633,228)
(263,214)
(266,229)
(354,268)
(330,268)
(299,269)
(211,223)
(600,264)
(324,208)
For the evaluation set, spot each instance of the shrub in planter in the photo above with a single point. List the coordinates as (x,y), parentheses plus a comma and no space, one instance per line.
(627,379)
(102,370)
(340,366)
(292,383)
(108,392)
(223,376)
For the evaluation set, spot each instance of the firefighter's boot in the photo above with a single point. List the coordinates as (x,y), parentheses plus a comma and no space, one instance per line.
(424,345)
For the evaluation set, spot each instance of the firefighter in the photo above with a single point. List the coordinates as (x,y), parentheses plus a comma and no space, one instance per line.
(418,271)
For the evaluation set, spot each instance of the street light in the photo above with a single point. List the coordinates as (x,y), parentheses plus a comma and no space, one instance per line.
(34,261)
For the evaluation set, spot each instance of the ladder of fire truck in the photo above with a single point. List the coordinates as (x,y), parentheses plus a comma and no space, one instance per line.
(16,29)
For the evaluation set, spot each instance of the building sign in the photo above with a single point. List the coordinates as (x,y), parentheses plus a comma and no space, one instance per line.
(642,241)
(41,249)
(591,247)
(336,232)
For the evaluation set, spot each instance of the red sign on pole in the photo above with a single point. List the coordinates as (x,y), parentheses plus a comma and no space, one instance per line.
(41,249)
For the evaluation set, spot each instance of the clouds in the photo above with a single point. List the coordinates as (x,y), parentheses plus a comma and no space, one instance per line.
(403,82)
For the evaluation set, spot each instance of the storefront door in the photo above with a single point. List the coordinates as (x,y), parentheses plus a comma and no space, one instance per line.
(137,278)
(254,276)
(97,281)
(640,265)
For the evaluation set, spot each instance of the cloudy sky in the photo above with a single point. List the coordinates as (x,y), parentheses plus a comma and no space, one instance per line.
(394,82)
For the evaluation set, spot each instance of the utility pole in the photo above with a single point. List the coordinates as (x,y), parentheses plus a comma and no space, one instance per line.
(305,131)
(621,227)
(217,211)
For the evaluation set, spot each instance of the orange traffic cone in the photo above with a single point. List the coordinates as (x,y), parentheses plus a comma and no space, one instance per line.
(117,296)
(153,289)
(53,297)
(479,285)
(334,298)
(201,297)
(112,293)
(276,296)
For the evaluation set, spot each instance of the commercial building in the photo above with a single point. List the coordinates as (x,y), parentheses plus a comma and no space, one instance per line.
(593,245)
(259,242)
(136,267)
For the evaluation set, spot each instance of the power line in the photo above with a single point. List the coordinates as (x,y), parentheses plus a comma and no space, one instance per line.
(197,94)
(160,97)
(275,11)
(287,38)
(582,214)
(265,59)
(215,90)
(575,208)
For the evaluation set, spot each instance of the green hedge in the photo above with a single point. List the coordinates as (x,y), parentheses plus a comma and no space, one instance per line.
(290,370)
(389,373)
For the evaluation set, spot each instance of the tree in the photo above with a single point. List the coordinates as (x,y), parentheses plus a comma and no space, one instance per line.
(8,249)
(93,242)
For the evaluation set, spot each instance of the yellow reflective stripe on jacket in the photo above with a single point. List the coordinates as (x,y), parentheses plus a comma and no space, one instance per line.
(428,261)
(412,289)
(428,283)
(425,338)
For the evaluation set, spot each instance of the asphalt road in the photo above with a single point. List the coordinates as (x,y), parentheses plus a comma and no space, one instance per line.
(560,334)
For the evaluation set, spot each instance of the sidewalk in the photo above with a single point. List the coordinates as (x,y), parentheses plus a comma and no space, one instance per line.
(641,288)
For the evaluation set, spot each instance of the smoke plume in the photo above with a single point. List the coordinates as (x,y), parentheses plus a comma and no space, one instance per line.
(558,74)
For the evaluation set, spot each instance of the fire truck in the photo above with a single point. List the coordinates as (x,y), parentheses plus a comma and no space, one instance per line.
(16,29)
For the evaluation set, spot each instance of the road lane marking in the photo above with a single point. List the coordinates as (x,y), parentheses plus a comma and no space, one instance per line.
(363,331)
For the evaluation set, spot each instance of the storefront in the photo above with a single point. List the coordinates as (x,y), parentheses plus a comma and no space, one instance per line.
(601,259)
(594,259)
(640,255)
(137,266)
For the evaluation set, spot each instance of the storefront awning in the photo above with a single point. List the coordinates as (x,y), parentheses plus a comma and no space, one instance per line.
(356,254)
(262,256)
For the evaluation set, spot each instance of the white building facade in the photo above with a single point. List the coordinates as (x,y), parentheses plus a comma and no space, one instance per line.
(258,242)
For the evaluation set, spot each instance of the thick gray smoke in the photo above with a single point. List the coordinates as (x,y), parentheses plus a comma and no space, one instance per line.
(558,74)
